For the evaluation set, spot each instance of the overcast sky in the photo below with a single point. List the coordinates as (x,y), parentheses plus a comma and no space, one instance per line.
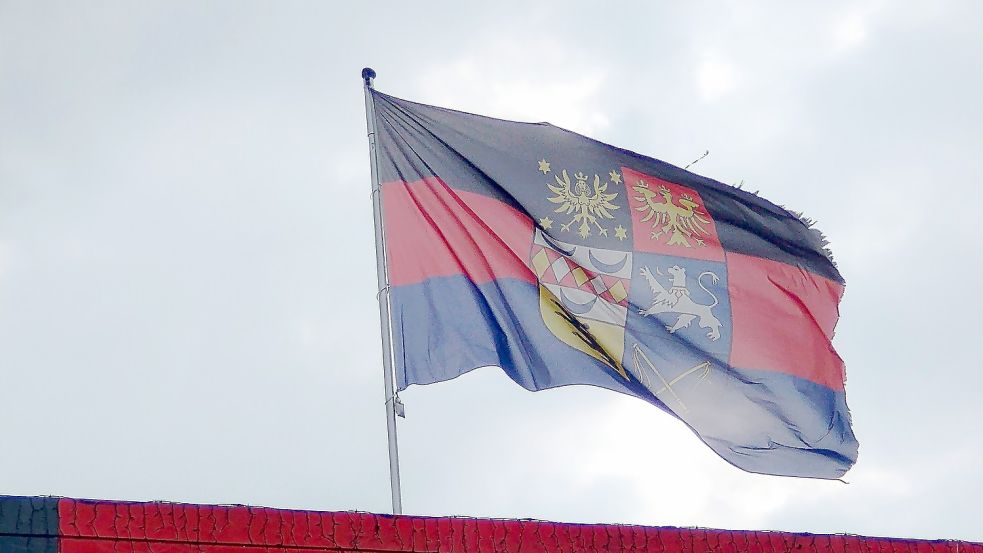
(187,274)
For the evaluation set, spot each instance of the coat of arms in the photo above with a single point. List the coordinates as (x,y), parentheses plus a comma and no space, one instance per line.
(584,289)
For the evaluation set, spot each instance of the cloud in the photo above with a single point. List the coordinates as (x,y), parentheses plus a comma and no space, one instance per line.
(849,32)
(6,259)
(501,79)
(716,77)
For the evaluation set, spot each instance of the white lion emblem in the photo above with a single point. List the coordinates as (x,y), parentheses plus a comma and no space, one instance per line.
(676,300)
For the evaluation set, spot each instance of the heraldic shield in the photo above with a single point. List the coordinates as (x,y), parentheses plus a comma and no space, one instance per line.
(658,314)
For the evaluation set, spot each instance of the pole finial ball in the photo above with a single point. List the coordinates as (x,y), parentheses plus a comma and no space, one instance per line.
(368,74)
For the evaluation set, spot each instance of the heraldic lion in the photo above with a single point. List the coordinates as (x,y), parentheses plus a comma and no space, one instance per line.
(677,300)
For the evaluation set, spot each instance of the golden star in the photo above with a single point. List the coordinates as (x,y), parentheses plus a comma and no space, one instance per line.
(615,177)
(544,166)
(620,232)
(546,223)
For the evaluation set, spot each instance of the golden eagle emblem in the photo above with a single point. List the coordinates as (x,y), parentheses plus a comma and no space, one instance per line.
(681,222)
(586,205)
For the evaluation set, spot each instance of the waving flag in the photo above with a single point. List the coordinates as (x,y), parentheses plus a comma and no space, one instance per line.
(563,260)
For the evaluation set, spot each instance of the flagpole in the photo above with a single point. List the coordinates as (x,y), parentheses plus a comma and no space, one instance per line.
(368,74)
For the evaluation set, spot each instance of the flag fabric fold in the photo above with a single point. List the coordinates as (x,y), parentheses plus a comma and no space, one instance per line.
(563,260)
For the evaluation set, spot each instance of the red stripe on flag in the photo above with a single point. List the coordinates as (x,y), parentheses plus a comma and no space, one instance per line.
(783,319)
(433,230)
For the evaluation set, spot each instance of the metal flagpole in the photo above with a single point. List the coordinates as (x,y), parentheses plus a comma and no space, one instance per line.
(392,402)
